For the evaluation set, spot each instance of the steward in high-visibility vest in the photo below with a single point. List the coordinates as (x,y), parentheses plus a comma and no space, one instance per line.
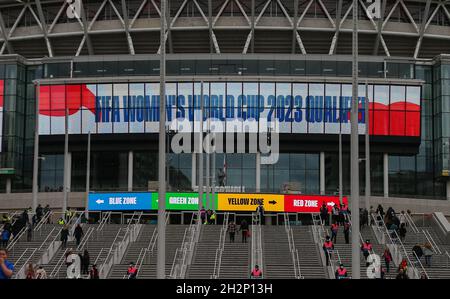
(341,272)
(132,271)
(61,221)
(256,272)
(366,248)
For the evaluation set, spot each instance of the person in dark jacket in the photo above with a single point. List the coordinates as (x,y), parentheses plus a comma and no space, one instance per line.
(93,274)
(402,232)
(64,236)
(417,249)
(85,261)
(232,231)
(324,213)
(347,232)
(78,233)
(244,229)
(328,247)
(39,212)
(380,210)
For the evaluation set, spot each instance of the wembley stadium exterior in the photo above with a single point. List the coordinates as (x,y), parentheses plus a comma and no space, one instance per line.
(289,60)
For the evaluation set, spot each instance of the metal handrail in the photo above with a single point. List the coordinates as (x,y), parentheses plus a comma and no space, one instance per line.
(22,269)
(402,248)
(43,221)
(103,221)
(430,240)
(85,239)
(17,238)
(59,264)
(421,266)
(220,248)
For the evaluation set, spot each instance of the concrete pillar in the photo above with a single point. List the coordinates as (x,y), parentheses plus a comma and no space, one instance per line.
(448,189)
(130,170)
(386,175)
(322,173)
(194,171)
(258,172)
(8,185)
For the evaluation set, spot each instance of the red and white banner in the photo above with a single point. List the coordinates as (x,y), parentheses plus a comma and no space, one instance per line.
(310,203)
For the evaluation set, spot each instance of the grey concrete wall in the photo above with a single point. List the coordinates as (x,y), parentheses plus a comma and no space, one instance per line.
(17,201)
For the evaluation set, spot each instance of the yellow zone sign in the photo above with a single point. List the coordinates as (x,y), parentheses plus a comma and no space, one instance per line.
(249,202)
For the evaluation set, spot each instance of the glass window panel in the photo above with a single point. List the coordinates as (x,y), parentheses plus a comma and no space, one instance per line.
(138,109)
(397,97)
(300,92)
(331,108)
(152,91)
(284,107)
(314,108)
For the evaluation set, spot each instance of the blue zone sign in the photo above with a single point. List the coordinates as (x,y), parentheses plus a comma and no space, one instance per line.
(120,201)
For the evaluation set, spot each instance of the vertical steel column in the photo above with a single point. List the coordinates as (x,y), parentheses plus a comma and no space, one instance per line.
(130,171)
(386,175)
(161,257)
(258,172)
(354,152)
(88,174)
(322,173)
(367,150)
(36,150)
(66,161)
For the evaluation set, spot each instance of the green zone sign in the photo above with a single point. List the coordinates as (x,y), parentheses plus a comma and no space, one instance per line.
(181,201)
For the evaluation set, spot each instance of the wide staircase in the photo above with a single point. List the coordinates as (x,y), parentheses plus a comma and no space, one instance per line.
(98,246)
(236,259)
(309,257)
(174,238)
(440,262)
(278,261)
(24,251)
(345,251)
(133,252)
(202,266)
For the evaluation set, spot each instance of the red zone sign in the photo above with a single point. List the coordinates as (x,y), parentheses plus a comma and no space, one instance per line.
(310,203)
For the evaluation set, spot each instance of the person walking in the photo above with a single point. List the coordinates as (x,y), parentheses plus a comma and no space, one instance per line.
(30,273)
(40,273)
(132,271)
(402,274)
(366,248)
(428,253)
(341,272)
(39,212)
(78,233)
(93,273)
(29,232)
(6,234)
(372,215)
(418,252)
(256,272)
(387,258)
(347,232)
(335,217)
(203,215)
(328,247)
(64,236)
(324,213)
(260,213)
(244,229)
(334,232)
(232,231)
(85,262)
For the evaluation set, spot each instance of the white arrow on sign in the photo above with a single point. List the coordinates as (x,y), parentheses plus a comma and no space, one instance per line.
(100,201)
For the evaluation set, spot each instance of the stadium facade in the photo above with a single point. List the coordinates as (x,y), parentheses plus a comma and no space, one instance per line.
(286,60)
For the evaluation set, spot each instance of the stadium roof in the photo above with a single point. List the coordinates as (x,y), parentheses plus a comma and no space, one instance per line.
(407,28)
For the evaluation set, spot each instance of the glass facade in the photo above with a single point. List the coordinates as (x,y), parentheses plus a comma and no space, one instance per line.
(410,175)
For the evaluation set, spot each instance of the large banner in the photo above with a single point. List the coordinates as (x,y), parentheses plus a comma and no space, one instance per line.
(299,108)
(232,202)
